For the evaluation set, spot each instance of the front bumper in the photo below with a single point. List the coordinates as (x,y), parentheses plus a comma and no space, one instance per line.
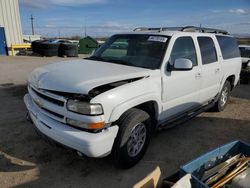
(90,144)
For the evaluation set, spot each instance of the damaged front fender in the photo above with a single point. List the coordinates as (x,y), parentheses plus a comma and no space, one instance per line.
(101,89)
(129,94)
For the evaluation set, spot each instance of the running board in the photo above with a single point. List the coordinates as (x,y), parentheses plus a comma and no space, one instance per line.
(186,116)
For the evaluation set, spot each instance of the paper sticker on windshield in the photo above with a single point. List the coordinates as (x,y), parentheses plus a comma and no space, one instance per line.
(157,39)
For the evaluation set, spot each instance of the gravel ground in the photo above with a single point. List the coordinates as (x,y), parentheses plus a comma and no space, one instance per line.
(28,161)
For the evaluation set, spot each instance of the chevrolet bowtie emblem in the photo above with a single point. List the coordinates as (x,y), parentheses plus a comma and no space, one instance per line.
(38,102)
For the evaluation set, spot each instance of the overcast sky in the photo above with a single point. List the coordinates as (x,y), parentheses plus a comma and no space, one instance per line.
(105,17)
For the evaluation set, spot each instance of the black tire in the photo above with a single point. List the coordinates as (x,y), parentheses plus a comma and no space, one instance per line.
(49,49)
(221,104)
(69,50)
(129,123)
(36,45)
(245,77)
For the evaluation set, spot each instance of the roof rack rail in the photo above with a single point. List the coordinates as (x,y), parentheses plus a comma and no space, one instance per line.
(204,30)
(159,29)
(186,29)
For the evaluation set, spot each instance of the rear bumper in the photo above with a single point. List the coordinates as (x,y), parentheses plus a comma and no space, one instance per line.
(90,144)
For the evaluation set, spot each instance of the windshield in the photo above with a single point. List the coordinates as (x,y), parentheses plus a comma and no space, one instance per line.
(144,51)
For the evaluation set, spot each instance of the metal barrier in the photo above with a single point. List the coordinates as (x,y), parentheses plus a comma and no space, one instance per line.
(19,46)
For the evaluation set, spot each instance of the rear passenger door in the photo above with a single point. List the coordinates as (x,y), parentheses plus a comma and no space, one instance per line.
(211,69)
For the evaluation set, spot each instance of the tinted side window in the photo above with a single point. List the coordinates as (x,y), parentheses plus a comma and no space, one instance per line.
(208,51)
(245,52)
(228,46)
(184,48)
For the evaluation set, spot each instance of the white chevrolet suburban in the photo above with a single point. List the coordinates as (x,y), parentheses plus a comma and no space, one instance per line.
(134,84)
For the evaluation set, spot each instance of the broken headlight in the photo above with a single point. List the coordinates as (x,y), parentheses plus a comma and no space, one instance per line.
(85,108)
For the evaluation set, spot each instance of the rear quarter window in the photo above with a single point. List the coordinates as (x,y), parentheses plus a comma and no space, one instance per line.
(229,47)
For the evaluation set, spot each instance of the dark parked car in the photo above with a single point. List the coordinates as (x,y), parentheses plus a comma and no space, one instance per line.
(245,56)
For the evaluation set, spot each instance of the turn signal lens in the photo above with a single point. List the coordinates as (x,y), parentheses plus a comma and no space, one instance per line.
(81,124)
(99,125)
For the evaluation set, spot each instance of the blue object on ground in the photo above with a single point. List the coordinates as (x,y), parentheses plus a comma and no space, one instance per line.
(197,166)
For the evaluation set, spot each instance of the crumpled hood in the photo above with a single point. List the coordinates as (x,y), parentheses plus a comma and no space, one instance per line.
(80,76)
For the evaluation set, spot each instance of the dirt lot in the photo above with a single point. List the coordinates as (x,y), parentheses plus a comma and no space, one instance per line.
(28,161)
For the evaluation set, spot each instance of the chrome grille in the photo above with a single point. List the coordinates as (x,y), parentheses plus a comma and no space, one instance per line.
(49,103)
(45,97)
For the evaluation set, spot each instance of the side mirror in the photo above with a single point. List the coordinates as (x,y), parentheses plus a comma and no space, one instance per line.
(183,64)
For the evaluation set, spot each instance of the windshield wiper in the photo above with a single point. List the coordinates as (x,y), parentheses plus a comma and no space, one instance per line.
(95,58)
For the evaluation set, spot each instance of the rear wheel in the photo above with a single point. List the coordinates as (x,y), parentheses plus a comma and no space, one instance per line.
(133,137)
(221,104)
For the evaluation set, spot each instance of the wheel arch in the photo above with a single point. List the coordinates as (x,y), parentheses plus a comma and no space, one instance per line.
(151,106)
(231,80)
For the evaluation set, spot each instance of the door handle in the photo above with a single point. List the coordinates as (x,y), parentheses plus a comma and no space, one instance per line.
(198,75)
(217,70)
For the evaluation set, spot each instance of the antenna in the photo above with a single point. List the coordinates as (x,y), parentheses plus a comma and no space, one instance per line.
(32,24)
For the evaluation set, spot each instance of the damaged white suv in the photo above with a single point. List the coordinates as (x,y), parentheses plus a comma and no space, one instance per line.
(133,84)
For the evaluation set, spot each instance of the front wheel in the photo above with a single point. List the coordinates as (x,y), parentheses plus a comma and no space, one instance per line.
(133,137)
(221,104)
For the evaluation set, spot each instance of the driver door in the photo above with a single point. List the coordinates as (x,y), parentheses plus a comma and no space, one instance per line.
(181,87)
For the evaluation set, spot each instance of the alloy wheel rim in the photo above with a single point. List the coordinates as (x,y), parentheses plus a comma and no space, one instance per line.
(224,96)
(136,140)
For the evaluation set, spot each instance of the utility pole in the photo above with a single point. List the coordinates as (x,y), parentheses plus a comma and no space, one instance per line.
(32,24)
(200,28)
(85,29)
